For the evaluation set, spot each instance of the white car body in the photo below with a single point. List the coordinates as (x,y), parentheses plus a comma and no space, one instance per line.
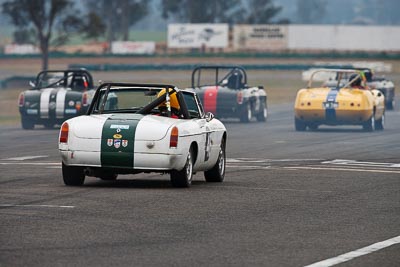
(124,143)
(151,148)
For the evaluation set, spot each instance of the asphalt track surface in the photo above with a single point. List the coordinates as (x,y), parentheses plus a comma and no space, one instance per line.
(289,199)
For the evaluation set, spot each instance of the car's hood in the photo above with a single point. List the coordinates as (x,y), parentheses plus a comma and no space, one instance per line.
(148,127)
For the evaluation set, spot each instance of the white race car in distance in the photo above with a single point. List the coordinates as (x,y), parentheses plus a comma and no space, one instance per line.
(135,128)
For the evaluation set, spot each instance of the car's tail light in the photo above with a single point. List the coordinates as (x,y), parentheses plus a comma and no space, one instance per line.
(173,141)
(78,106)
(64,133)
(21,100)
(84,99)
(85,84)
(239,98)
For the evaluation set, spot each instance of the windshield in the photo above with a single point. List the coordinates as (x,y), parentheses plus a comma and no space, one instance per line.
(51,78)
(332,78)
(124,99)
(76,80)
(231,77)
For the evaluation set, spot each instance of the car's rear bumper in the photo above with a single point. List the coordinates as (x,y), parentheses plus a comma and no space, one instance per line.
(37,119)
(141,161)
(334,116)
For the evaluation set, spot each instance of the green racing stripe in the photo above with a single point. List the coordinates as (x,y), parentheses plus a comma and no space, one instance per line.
(118,140)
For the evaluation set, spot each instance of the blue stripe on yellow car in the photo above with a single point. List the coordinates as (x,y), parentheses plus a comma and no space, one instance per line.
(118,139)
(330,111)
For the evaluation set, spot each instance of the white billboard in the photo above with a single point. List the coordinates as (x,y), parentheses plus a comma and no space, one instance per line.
(344,37)
(21,49)
(260,37)
(198,35)
(127,47)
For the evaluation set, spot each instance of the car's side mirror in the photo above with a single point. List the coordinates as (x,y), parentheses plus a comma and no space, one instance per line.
(32,84)
(209,116)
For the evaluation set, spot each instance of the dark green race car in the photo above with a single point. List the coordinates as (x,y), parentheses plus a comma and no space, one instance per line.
(55,96)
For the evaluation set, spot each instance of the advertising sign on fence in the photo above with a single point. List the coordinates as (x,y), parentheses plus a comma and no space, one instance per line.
(21,49)
(128,47)
(260,37)
(344,37)
(198,35)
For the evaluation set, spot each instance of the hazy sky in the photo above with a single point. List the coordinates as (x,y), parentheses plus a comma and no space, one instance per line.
(383,12)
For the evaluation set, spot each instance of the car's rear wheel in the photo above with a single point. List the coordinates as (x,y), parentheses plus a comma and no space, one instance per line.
(26,123)
(299,125)
(368,126)
(73,175)
(217,173)
(246,114)
(263,114)
(380,124)
(183,178)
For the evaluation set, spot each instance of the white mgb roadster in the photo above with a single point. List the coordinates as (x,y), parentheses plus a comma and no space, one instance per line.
(135,128)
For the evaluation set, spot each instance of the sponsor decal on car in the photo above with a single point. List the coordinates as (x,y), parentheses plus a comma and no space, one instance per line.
(117,143)
(117,126)
(124,143)
(52,105)
(330,105)
(70,111)
(32,111)
(110,142)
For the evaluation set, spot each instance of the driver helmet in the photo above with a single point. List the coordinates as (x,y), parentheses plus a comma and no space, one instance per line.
(172,99)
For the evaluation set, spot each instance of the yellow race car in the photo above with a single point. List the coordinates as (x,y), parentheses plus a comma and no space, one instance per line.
(350,103)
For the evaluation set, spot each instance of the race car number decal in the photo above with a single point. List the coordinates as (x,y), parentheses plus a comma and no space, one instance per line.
(331,105)
(207,149)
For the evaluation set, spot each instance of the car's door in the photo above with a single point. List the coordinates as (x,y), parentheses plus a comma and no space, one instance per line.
(205,138)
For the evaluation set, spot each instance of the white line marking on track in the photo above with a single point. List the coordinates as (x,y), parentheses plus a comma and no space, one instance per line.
(27,157)
(361,163)
(340,169)
(356,253)
(247,167)
(30,163)
(259,160)
(40,206)
(273,189)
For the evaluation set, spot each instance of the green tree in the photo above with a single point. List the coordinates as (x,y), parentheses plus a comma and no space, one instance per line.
(311,11)
(205,11)
(118,16)
(39,15)
(43,18)
(262,12)
(93,26)
(24,36)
